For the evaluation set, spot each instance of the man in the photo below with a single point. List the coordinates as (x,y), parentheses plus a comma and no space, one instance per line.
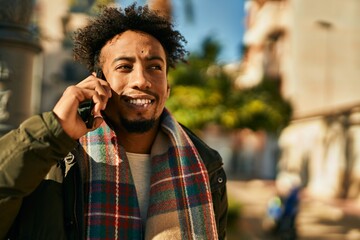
(137,173)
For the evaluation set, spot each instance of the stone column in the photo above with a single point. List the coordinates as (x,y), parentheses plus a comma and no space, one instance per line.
(18,50)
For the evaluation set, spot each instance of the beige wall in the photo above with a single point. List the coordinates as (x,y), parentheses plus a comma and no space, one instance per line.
(323,77)
(325,60)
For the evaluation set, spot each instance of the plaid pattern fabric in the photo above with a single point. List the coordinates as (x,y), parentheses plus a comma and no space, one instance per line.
(180,204)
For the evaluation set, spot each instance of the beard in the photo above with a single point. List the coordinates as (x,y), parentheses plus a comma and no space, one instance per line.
(137,126)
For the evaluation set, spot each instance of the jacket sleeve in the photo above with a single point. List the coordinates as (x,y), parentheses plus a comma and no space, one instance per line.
(26,156)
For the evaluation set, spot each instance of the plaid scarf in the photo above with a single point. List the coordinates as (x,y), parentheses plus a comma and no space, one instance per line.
(180,205)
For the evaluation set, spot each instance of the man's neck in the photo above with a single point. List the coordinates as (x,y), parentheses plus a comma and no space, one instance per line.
(137,142)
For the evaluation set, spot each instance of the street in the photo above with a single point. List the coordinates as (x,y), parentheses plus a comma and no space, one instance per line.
(320,220)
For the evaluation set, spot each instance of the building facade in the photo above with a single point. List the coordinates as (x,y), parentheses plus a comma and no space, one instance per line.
(313,47)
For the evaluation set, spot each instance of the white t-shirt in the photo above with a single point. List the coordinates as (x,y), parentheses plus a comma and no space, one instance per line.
(140,166)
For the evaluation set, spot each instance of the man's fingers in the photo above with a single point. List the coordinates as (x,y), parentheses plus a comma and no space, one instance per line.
(97,121)
(102,87)
(99,101)
(66,109)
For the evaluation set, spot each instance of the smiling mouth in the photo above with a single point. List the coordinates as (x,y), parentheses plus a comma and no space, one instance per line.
(140,102)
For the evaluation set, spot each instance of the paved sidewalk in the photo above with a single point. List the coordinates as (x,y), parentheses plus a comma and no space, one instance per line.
(335,220)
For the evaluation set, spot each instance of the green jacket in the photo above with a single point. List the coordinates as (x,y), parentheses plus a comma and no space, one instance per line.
(41,187)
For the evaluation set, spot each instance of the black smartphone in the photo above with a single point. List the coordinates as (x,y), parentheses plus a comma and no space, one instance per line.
(86,108)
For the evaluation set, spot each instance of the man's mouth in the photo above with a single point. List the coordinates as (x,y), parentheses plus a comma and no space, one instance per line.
(140,102)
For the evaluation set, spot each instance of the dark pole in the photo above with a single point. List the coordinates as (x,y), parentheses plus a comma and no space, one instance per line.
(18,50)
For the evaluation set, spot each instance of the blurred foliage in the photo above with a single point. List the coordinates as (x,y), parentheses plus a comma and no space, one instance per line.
(88,6)
(201,93)
(97,6)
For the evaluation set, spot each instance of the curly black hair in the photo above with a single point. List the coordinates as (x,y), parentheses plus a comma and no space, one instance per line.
(89,40)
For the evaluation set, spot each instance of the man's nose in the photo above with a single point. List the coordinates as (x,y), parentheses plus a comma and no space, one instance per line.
(140,80)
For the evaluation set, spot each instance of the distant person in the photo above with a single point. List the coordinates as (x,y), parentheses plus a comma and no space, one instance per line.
(134,172)
(283,209)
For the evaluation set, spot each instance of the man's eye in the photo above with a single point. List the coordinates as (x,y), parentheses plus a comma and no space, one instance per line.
(124,67)
(156,67)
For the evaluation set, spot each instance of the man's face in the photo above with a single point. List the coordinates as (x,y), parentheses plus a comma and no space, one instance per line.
(134,64)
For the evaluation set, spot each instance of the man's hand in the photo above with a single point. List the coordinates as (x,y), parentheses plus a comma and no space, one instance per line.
(66,109)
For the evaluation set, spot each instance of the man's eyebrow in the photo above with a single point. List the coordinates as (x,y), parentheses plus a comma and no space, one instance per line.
(155,57)
(132,59)
(129,59)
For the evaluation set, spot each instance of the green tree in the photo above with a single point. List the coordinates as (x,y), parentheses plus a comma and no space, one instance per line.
(202,93)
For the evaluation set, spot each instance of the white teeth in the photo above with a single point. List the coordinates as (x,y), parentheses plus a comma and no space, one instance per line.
(140,101)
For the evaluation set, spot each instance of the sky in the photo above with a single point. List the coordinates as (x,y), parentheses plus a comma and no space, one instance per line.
(222,20)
